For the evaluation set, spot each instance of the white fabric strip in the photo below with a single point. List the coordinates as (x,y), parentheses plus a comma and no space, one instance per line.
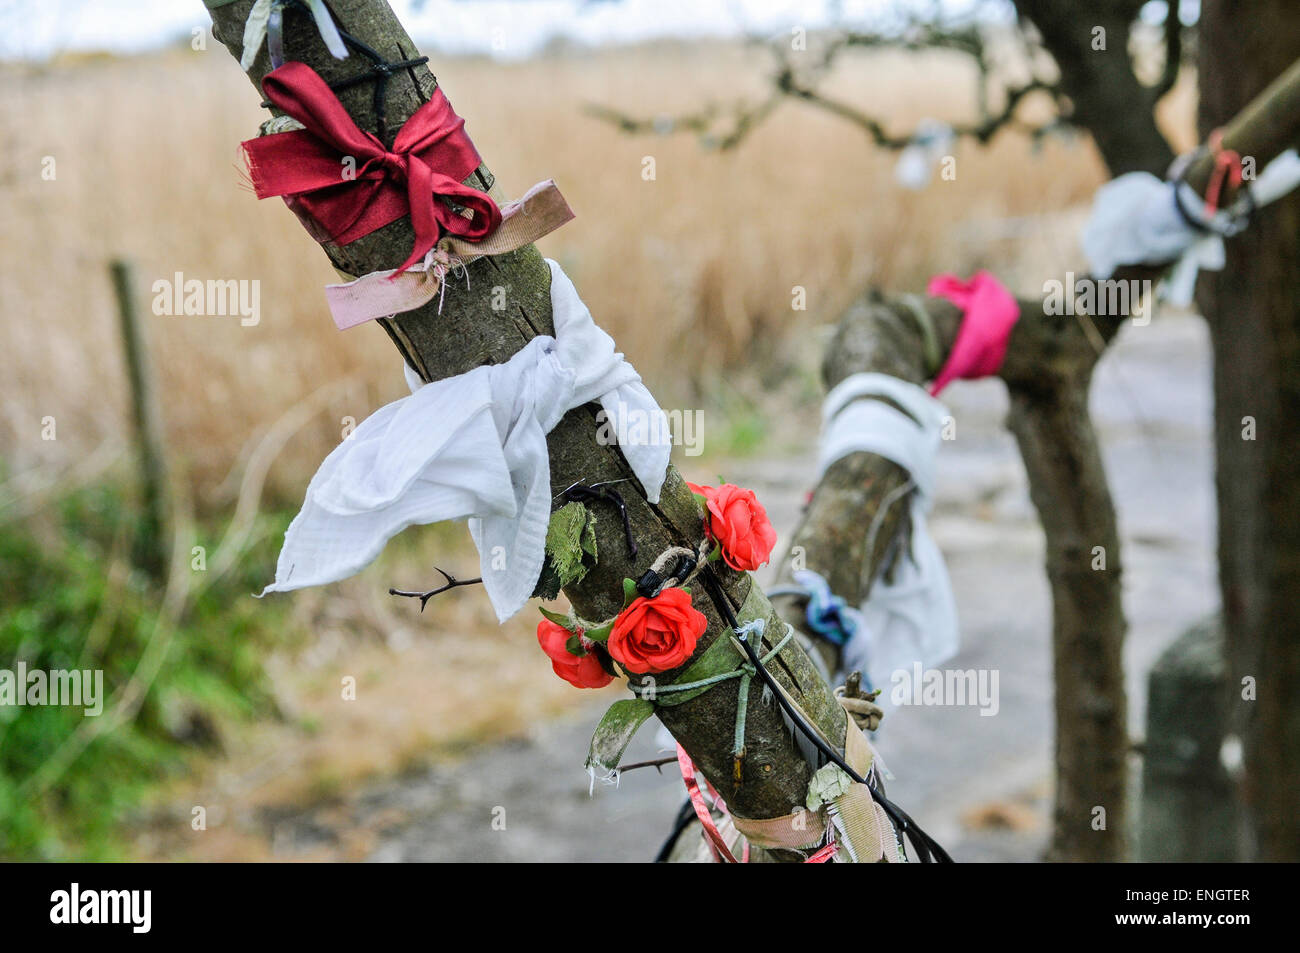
(912,618)
(1135,222)
(472,446)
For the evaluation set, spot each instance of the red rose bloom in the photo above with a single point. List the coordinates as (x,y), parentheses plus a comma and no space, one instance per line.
(740,525)
(581,671)
(655,635)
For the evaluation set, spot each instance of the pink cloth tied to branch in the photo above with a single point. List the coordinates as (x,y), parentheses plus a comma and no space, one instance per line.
(381,294)
(430,157)
(989,312)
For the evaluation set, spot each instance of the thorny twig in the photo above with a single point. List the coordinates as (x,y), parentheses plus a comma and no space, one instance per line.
(657,764)
(424,597)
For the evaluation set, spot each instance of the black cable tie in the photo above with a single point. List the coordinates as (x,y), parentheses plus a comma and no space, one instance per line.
(380,71)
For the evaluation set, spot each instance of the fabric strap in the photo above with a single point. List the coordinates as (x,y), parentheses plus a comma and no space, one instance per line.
(350,184)
(860,825)
(989,312)
(381,294)
(912,615)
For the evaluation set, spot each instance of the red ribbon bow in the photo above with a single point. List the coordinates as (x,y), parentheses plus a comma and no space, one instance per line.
(430,157)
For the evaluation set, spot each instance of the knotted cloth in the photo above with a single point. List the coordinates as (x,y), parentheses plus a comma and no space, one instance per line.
(913,616)
(989,312)
(471,446)
(350,184)
(1136,220)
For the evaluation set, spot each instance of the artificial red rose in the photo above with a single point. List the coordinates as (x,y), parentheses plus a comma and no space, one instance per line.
(655,635)
(581,671)
(740,525)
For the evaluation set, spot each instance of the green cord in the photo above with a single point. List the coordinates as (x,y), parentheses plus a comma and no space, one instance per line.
(913,305)
(745,672)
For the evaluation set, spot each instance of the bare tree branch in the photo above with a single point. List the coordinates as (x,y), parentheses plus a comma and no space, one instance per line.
(799,74)
(1173,53)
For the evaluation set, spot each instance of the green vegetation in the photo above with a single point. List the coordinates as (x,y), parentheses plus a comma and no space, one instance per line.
(69,602)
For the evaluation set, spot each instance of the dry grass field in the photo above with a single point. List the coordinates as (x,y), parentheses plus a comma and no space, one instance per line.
(147,167)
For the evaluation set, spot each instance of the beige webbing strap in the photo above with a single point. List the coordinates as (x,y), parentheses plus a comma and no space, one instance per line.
(860,825)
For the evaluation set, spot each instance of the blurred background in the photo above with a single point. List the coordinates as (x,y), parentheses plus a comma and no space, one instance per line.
(228,709)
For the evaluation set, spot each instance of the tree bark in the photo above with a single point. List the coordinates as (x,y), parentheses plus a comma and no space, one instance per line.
(1108,99)
(1067,482)
(470,332)
(1253,308)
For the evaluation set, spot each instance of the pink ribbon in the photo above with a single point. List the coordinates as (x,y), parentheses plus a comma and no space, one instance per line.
(989,312)
(382,294)
(717,843)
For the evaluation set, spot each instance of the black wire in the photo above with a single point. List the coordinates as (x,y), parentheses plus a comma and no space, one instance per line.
(923,843)
(683,821)
(1235,225)
(582,493)
(381,71)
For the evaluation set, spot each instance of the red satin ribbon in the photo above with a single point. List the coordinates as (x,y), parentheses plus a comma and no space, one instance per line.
(429,158)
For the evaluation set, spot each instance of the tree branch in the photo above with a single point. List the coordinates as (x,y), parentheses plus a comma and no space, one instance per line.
(1173,53)
(775,775)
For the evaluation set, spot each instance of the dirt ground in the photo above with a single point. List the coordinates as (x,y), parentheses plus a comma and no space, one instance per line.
(980,785)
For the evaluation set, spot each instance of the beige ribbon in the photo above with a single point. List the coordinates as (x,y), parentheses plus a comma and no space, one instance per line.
(382,294)
(859,825)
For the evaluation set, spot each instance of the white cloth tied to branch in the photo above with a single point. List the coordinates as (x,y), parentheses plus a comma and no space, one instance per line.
(1135,221)
(913,616)
(471,446)
(932,141)
(260,25)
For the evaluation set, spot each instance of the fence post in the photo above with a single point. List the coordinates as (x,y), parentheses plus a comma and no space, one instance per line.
(150,545)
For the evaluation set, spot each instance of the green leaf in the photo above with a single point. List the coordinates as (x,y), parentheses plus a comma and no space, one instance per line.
(573,645)
(561,620)
(601,632)
(571,542)
(720,657)
(548,583)
(629,592)
(615,732)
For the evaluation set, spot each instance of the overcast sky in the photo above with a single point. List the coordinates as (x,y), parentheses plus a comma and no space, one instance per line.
(509,28)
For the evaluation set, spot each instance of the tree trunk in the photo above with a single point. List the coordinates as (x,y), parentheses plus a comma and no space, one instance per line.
(1108,100)
(470,332)
(1067,482)
(1253,309)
